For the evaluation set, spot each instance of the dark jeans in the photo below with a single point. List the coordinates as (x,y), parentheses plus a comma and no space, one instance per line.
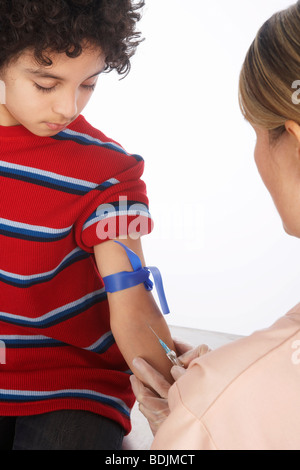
(60,430)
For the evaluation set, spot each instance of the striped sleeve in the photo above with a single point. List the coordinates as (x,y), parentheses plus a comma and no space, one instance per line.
(118,207)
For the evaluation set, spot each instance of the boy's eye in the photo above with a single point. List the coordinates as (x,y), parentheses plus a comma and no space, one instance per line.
(44,89)
(89,87)
(49,89)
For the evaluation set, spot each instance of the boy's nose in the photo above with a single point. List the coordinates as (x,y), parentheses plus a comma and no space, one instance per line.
(66,106)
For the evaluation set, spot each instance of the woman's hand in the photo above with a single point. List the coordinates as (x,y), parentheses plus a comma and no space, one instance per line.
(153,401)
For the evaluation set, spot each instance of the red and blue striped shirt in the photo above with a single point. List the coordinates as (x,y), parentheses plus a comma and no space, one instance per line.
(59,197)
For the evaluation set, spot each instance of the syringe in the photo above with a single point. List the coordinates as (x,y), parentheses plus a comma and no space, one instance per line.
(171,355)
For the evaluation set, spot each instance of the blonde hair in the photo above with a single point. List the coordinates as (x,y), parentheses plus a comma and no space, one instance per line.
(271,66)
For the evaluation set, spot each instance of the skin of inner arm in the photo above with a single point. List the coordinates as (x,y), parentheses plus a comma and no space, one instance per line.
(133,309)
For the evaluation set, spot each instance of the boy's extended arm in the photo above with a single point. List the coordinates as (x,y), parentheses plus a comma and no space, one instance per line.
(133,309)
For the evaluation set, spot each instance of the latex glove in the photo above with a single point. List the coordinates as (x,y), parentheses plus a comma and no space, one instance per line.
(188,354)
(152,400)
(153,405)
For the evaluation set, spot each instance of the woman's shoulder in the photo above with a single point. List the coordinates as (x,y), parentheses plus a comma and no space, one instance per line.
(236,363)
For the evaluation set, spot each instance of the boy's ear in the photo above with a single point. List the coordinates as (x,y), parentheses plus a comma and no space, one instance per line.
(2,92)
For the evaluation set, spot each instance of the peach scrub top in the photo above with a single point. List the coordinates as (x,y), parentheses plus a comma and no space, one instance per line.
(242,396)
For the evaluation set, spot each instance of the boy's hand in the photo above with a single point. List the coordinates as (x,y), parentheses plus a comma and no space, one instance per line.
(153,404)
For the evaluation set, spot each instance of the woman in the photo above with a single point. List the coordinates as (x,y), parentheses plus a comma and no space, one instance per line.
(245,395)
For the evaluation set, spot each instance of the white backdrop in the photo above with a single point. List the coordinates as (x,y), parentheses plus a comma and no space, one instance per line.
(227,264)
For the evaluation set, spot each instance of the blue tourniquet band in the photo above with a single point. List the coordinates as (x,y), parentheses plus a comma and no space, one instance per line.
(139,275)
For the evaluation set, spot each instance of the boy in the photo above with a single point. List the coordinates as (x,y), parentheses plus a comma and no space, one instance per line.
(65,384)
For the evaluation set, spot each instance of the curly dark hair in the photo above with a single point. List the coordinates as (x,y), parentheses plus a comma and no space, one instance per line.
(65,26)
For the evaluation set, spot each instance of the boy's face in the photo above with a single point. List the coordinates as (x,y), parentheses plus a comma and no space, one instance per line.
(46,99)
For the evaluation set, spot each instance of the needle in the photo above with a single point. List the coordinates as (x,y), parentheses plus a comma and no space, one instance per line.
(170,354)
